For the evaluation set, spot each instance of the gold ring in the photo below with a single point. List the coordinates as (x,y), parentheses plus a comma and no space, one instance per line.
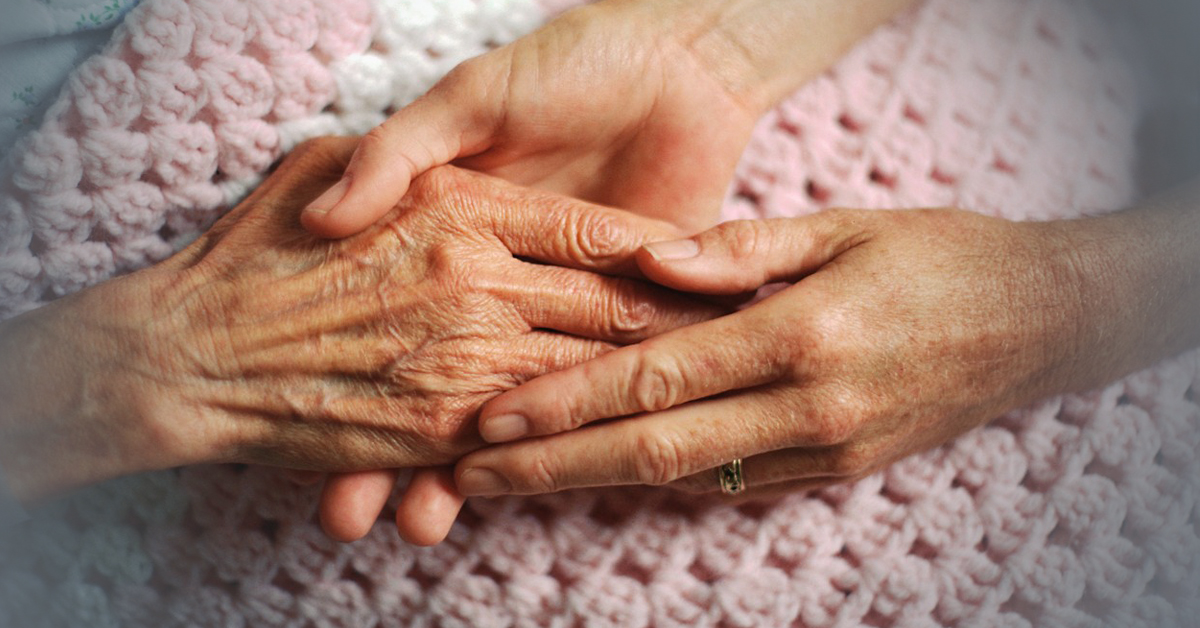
(730,477)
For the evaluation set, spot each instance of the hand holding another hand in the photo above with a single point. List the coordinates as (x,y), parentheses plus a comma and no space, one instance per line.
(645,106)
(902,330)
(609,103)
(260,343)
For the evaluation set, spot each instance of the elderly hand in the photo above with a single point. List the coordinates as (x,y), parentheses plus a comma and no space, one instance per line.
(610,103)
(902,330)
(261,343)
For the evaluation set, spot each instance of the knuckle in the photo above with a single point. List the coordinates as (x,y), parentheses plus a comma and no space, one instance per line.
(445,422)
(567,410)
(837,430)
(657,381)
(835,420)
(832,428)
(829,433)
(325,144)
(307,408)
(309,145)
(374,140)
(855,226)
(543,474)
(596,237)
(444,262)
(451,196)
(819,338)
(319,153)
(631,314)
(467,75)
(853,462)
(454,269)
(657,459)
(782,419)
(744,238)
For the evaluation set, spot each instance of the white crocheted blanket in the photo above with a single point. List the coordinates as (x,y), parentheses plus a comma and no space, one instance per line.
(1075,512)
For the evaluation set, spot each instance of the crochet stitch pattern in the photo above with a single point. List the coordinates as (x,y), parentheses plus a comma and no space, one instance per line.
(1076,511)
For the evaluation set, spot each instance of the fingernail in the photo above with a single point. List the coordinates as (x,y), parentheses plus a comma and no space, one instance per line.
(504,428)
(673,250)
(329,198)
(480,482)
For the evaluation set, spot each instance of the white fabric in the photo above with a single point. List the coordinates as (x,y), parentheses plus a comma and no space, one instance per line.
(41,41)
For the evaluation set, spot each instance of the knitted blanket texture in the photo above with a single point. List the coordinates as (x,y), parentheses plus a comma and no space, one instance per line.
(1077,511)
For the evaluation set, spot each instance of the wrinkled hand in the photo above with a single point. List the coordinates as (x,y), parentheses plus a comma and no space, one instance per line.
(605,103)
(608,103)
(902,330)
(261,343)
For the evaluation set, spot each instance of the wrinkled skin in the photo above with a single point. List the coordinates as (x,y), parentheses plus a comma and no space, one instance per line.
(261,343)
(603,104)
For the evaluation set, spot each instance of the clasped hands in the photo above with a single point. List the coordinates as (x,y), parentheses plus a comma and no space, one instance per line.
(541,343)
(261,343)
(900,330)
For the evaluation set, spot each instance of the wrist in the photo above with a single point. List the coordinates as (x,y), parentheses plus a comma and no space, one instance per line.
(695,30)
(1134,276)
(763,50)
(80,391)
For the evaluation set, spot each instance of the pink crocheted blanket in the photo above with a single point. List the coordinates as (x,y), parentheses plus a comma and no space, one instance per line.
(1077,511)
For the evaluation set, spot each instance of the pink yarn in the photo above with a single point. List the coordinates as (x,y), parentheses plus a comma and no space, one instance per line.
(1077,511)
(186,97)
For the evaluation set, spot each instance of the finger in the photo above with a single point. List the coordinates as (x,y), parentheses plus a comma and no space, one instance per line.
(429,507)
(746,254)
(565,232)
(617,310)
(372,352)
(701,360)
(351,502)
(652,449)
(456,117)
(334,418)
(829,464)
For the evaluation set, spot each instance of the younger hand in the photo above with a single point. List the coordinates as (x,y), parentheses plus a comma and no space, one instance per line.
(903,329)
(607,104)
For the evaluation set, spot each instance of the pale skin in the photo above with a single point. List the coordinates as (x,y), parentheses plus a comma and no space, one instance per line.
(260,343)
(613,103)
(900,331)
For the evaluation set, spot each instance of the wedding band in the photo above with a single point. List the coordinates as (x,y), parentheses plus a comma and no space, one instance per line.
(730,477)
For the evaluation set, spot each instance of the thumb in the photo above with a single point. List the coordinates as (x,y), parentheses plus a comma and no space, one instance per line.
(744,255)
(448,122)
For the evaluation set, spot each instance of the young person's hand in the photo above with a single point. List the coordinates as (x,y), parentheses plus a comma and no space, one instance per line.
(608,103)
